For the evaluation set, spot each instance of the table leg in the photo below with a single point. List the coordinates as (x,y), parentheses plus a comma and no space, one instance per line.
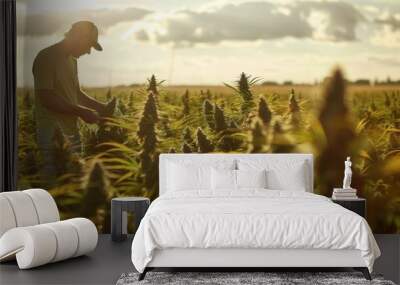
(124,223)
(140,212)
(117,222)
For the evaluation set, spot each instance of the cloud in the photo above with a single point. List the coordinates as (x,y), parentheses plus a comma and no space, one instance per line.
(386,37)
(393,21)
(60,22)
(385,60)
(386,32)
(339,22)
(249,21)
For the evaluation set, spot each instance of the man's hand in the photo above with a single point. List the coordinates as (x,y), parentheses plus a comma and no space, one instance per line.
(58,104)
(109,108)
(88,115)
(103,109)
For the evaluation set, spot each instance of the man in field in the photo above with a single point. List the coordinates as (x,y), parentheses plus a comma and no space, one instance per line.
(59,100)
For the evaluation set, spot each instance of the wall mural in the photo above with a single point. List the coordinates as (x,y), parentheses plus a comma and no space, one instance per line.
(104,87)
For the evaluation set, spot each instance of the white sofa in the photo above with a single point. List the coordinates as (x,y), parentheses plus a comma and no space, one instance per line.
(31,230)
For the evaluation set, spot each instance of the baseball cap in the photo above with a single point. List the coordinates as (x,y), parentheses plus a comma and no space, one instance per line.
(86,29)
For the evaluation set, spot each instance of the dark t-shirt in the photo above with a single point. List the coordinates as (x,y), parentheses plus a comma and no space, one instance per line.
(54,71)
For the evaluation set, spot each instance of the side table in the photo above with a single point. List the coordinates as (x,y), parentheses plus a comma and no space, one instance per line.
(119,217)
(356,205)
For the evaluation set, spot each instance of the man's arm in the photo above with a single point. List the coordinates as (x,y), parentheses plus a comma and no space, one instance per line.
(59,105)
(89,102)
(43,70)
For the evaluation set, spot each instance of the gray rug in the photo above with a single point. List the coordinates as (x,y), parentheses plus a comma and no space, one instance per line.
(243,278)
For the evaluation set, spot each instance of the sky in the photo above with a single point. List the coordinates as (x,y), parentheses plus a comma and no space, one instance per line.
(203,42)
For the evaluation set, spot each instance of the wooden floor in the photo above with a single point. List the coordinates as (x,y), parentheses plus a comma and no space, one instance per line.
(111,259)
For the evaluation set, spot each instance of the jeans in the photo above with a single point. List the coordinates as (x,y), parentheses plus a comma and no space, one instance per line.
(47,146)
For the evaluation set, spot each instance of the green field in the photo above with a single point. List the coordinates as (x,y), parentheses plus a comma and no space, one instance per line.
(120,156)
